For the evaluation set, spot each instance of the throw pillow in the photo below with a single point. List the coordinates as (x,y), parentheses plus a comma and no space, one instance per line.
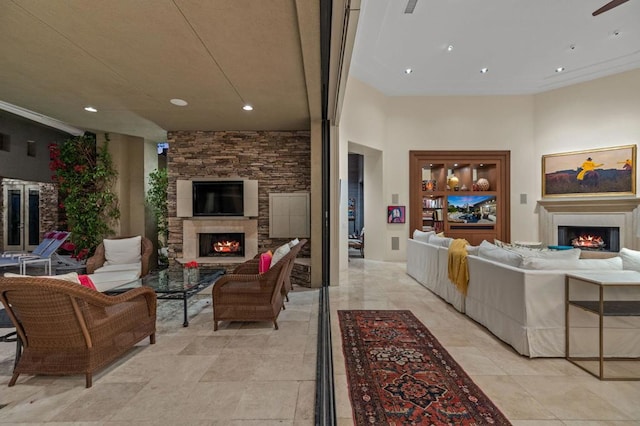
(440,241)
(280,253)
(265,262)
(571,254)
(422,236)
(293,243)
(86,282)
(497,254)
(122,251)
(630,259)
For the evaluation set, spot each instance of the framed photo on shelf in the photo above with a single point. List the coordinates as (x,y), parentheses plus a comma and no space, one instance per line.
(396,214)
(595,172)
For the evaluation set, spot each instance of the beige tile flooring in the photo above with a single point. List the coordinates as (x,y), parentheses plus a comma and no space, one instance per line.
(243,374)
(540,392)
(250,374)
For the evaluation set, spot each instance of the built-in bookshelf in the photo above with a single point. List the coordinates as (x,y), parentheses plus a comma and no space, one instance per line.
(464,194)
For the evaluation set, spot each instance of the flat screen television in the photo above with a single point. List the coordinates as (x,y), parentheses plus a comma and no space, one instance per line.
(471,209)
(218,198)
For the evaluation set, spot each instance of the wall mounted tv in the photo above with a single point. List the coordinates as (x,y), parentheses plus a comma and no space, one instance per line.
(479,209)
(218,198)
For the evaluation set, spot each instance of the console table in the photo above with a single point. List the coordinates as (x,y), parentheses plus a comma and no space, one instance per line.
(598,305)
(171,285)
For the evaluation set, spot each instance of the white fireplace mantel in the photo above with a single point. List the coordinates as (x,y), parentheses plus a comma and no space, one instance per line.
(620,212)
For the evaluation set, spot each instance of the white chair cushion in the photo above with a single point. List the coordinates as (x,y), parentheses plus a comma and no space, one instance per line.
(136,267)
(71,276)
(280,253)
(123,251)
(108,280)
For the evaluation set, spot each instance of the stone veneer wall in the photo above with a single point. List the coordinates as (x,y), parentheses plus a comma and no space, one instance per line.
(48,208)
(279,160)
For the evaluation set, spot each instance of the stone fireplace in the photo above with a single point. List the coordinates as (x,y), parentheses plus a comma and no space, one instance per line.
(613,219)
(207,240)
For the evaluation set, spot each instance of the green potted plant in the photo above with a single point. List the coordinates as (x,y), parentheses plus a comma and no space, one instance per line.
(157,201)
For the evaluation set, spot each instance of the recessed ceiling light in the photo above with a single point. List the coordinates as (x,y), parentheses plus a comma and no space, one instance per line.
(247,107)
(559,69)
(179,102)
(484,70)
(450,48)
(90,109)
(408,71)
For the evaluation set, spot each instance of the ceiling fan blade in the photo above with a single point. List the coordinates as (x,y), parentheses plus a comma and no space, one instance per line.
(608,6)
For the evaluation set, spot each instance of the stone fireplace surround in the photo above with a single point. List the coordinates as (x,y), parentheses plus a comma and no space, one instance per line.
(619,212)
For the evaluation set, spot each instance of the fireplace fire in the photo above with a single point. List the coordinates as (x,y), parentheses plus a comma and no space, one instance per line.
(225,244)
(588,241)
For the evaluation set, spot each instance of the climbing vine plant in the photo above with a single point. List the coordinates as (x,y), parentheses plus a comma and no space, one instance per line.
(85,177)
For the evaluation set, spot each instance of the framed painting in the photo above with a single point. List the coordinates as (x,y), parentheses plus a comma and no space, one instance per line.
(594,172)
(395,214)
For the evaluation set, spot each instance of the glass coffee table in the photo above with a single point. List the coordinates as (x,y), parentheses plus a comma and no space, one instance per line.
(172,285)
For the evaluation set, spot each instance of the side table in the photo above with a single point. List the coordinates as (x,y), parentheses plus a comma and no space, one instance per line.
(629,307)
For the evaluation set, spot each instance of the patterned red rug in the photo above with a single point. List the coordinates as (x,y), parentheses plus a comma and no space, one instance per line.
(399,374)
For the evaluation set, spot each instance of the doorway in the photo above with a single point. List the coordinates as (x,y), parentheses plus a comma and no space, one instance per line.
(21,216)
(356,200)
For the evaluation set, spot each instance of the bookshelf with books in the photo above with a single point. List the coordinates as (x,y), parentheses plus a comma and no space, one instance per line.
(464,194)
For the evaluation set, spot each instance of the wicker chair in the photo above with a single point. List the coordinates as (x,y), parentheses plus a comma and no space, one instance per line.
(251,267)
(68,329)
(246,295)
(98,258)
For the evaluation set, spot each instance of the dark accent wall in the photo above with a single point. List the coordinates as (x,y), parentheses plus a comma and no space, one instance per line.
(15,163)
(280,162)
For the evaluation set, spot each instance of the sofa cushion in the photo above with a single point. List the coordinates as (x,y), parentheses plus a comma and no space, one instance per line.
(630,259)
(440,241)
(422,236)
(536,263)
(498,254)
(293,243)
(123,251)
(571,254)
(108,280)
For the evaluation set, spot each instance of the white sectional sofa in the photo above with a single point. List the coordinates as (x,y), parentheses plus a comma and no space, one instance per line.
(526,307)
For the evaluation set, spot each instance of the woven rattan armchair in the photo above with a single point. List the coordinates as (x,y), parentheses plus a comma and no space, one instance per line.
(251,267)
(98,258)
(246,295)
(68,329)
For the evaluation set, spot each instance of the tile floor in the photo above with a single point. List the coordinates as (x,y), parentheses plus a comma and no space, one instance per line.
(249,374)
(540,392)
(243,374)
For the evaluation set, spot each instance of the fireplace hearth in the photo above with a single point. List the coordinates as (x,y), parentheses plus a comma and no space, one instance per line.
(601,238)
(224,244)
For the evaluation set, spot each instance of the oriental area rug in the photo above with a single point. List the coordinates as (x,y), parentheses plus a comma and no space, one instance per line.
(399,374)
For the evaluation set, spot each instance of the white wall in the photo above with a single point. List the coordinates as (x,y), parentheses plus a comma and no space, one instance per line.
(600,113)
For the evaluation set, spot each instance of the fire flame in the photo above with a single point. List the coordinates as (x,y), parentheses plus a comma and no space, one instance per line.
(588,241)
(226,246)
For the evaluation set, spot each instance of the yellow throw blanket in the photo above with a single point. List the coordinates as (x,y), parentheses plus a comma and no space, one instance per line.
(458,269)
